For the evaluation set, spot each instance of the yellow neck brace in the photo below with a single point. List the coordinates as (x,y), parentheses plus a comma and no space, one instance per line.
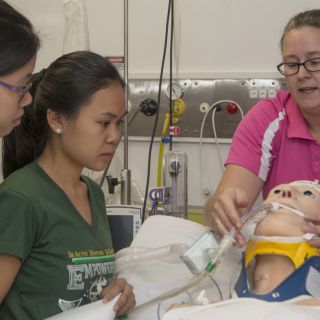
(295,248)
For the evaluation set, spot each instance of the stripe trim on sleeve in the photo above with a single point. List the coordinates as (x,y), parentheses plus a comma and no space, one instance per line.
(266,146)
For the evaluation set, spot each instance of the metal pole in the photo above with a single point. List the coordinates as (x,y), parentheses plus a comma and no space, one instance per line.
(126,173)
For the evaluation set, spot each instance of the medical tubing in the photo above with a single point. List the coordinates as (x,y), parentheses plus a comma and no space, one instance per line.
(158,312)
(159,306)
(150,253)
(297,212)
(170,70)
(193,281)
(161,146)
(216,140)
(258,213)
(204,182)
(170,294)
(217,286)
(143,216)
(215,132)
(125,260)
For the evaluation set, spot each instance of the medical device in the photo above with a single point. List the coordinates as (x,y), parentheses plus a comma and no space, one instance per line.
(203,268)
(254,215)
(124,222)
(174,194)
(303,281)
(204,256)
(175,181)
(178,110)
(206,252)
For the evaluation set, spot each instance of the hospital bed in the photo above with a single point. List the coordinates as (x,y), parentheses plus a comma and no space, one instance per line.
(159,271)
(156,276)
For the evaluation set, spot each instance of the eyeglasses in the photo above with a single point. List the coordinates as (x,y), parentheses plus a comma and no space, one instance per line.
(22,90)
(291,68)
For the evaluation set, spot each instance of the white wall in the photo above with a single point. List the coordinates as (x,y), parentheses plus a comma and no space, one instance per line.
(214,38)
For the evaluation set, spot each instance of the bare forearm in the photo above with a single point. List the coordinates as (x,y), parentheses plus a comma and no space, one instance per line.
(9,267)
(237,191)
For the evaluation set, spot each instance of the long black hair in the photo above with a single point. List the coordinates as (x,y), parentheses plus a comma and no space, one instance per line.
(18,41)
(65,87)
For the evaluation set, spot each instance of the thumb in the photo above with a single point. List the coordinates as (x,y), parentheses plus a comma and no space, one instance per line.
(312,217)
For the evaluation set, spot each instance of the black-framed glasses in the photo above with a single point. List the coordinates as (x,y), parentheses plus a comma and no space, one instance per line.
(291,68)
(22,90)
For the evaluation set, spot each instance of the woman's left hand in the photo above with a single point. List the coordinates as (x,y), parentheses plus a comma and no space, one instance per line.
(127,300)
(313,227)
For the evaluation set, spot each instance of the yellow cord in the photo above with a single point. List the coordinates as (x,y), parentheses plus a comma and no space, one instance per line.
(161,146)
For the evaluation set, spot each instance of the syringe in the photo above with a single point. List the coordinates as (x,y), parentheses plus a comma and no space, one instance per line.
(229,239)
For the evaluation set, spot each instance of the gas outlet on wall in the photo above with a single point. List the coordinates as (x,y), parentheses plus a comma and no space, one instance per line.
(204,107)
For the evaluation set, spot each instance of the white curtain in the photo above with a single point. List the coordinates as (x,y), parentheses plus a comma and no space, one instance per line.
(76,35)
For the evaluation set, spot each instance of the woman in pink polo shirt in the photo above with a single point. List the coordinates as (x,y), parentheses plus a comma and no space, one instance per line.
(278,141)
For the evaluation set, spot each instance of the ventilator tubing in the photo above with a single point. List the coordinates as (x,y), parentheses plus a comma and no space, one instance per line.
(128,257)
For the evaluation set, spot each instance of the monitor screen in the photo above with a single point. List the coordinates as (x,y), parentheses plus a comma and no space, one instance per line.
(121,227)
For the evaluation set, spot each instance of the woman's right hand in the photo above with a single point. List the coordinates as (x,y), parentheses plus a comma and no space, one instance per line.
(126,301)
(236,192)
(222,211)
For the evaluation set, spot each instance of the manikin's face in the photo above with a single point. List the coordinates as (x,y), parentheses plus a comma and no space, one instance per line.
(13,102)
(302,197)
(283,222)
(300,45)
(90,140)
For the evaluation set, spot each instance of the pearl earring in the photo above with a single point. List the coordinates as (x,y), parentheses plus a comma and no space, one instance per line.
(59,131)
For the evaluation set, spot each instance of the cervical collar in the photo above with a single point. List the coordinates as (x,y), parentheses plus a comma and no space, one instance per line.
(295,248)
(305,280)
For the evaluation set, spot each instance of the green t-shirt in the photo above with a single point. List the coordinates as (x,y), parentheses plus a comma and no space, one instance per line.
(65,261)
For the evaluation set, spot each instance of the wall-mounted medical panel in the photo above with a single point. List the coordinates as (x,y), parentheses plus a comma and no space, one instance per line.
(198,96)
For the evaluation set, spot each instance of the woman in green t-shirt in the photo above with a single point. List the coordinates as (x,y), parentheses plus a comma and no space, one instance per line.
(55,244)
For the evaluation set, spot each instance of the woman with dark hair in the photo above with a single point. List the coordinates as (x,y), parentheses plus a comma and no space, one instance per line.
(55,244)
(18,49)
